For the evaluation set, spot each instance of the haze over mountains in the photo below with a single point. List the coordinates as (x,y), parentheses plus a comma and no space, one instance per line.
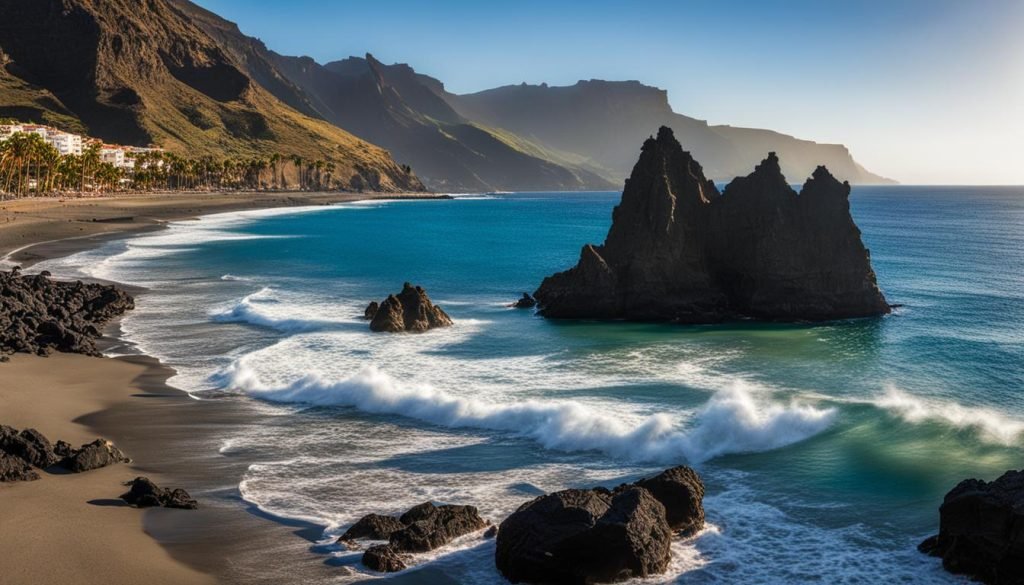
(173,73)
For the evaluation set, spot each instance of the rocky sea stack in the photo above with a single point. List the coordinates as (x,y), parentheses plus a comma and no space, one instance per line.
(409,310)
(678,250)
(39,315)
(981,530)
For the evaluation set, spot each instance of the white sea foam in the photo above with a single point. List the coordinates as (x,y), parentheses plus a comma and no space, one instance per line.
(265,309)
(990,425)
(733,421)
(747,540)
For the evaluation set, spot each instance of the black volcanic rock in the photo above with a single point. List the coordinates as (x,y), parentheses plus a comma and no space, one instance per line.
(600,536)
(681,491)
(525,302)
(678,250)
(409,310)
(39,315)
(423,528)
(428,526)
(371,310)
(29,445)
(585,536)
(384,558)
(21,451)
(981,530)
(99,453)
(13,468)
(372,527)
(143,493)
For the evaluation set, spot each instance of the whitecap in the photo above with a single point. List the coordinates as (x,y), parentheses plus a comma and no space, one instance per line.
(991,425)
(732,421)
(264,308)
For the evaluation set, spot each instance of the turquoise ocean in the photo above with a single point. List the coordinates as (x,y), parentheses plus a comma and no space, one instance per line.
(826,448)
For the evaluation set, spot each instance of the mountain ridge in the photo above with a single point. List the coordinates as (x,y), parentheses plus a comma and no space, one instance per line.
(599,119)
(143,73)
(172,72)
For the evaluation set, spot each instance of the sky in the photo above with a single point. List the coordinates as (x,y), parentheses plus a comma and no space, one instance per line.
(921,91)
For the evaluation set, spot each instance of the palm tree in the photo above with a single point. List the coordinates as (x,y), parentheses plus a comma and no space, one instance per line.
(90,159)
(275,159)
(297,161)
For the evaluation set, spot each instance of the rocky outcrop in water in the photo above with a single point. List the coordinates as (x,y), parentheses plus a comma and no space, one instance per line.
(410,310)
(681,491)
(981,530)
(428,526)
(525,302)
(371,310)
(384,558)
(600,536)
(678,250)
(371,527)
(423,528)
(143,493)
(21,451)
(39,315)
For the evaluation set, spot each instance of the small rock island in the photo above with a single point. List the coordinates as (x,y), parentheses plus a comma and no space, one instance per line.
(410,310)
(680,251)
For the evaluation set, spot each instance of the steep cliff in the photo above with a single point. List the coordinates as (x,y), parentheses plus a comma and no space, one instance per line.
(600,120)
(399,109)
(146,73)
(392,105)
(678,250)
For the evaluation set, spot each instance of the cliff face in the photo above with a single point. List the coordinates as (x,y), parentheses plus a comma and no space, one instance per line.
(140,73)
(678,250)
(395,107)
(598,120)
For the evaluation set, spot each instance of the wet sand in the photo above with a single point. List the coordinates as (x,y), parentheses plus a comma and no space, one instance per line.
(72,528)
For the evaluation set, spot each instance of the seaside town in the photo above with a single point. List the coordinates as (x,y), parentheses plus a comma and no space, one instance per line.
(37,159)
(40,160)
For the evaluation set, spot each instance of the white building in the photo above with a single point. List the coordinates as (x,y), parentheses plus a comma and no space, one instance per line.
(113,155)
(8,130)
(64,142)
(42,131)
(117,156)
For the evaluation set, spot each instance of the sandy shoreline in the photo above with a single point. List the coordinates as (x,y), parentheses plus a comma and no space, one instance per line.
(71,528)
(35,229)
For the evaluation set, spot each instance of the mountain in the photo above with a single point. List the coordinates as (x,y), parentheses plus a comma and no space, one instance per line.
(172,73)
(601,121)
(680,251)
(145,72)
(393,106)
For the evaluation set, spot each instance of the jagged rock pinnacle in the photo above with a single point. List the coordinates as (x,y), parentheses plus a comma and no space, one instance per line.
(678,250)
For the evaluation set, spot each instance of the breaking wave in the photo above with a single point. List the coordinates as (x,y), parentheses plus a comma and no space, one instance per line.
(264,309)
(990,425)
(732,421)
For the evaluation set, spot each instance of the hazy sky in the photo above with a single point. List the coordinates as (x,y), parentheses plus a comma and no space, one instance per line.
(923,91)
